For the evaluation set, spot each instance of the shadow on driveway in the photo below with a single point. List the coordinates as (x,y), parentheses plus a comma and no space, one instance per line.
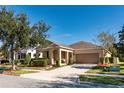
(84,66)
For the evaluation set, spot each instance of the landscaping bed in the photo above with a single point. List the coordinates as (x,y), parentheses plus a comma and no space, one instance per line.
(37,68)
(2,69)
(17,72)
(98,70)
(5,69)
(102,79)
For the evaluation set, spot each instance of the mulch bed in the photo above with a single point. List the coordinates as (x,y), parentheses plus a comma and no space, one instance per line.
(8,72)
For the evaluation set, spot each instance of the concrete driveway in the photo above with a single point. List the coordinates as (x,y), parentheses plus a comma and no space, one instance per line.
(64,77)
(63,74)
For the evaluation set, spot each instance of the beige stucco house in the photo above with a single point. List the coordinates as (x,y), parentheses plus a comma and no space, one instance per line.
(81,52)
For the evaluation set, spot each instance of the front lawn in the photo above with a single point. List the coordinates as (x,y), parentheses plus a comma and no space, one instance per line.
(102,79)
(19,72)
(97,70)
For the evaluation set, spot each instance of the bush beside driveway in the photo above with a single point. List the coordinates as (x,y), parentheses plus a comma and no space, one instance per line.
(97,70)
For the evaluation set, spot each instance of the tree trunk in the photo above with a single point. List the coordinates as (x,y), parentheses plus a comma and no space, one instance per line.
(12,59)
(37,54)
(104,60)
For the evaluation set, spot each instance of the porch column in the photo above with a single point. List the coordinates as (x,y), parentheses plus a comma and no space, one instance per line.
(67,57)
(72,56)
(51,56)
(14,55)
(60,56)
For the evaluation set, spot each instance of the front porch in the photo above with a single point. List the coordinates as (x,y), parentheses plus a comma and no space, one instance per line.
(63,56)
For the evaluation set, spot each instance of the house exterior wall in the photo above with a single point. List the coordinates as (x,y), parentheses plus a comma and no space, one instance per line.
(83,51)
(41,55)
(108,55)
(104,53)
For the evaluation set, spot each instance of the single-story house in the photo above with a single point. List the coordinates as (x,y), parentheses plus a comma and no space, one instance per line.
(81,52)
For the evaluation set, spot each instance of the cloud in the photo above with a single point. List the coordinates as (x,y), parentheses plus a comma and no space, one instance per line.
(66,35)
(62,35)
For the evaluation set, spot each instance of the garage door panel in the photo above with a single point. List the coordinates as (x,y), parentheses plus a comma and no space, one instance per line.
(91,58)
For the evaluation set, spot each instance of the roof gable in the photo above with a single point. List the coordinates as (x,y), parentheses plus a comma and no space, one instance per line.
(83,45)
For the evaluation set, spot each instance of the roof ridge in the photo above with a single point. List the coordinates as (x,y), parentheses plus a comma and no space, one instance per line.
(83,42)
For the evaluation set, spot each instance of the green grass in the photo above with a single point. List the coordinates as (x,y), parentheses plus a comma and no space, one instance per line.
(97,70)
(19,72)
(103,80)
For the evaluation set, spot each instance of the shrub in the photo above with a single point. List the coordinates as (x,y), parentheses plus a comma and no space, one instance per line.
(16,62)
(22,61)
(111,59)
(71,61)
(39,62)
(27,59)
(57,63)
(121,59)
(101,60)
(107,60)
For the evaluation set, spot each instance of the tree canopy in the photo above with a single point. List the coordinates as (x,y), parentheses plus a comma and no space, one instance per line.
(120,45)
(16,32)
(107,40)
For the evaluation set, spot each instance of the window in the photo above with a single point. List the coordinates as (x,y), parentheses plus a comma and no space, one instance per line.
(46,54)
(23,55)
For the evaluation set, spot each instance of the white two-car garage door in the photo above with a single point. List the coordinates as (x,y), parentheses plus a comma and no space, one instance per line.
(90,58)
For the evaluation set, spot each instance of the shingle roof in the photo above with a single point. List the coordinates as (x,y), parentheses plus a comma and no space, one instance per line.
(59,44)
(52,44)
(83,45)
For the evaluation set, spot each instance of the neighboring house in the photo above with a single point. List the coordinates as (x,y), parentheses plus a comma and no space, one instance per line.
(22,53)
(80,52)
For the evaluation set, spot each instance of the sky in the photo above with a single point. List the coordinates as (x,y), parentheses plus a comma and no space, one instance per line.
(70,24)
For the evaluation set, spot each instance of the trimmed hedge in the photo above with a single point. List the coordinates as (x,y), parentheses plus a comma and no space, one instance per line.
(4,61)
(39,62)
